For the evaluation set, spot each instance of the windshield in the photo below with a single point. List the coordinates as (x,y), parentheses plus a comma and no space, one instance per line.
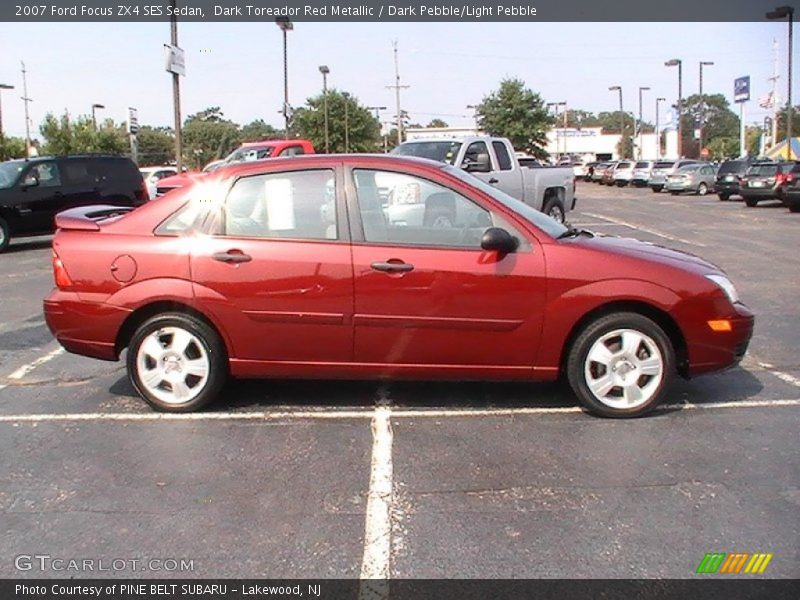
(445,152)
(664,164)
(624,165)
(688,168)
(642,165)
(9,172)
(547,224)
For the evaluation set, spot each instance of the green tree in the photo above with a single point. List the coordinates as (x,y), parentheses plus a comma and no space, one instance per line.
(258,130)
(721,148)
(517,113)
(782,119)
(351,126)
(207,136)
(11,147)
(156,145)
(437,123)
(720,121)
(625,146)
(64,135)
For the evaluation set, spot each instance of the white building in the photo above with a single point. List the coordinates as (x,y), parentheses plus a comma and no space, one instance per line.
(590,143)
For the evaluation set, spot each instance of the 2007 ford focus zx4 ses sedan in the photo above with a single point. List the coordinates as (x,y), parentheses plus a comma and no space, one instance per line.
(369,266)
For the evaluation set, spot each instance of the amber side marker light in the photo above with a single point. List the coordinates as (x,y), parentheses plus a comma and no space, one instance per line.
(720,325)
(60,273)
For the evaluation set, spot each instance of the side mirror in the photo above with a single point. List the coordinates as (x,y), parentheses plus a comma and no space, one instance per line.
(481,164)
(30,181)
(499,240)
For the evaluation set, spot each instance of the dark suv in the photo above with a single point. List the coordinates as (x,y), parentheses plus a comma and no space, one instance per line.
(729,178)
(763,181)
(790,192)
(32,191)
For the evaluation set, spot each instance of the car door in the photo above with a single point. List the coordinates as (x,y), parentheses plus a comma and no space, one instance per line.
(41,197)
(427,297)
(277,270)
(79,185)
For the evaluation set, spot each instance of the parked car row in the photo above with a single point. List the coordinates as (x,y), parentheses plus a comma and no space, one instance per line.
(752,180)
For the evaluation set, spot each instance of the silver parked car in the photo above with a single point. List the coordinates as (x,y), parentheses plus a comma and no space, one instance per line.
(641,172)
(697,178)
(663,169)
(623,173)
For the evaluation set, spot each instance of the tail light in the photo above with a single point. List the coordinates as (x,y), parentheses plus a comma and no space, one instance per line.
(142,194)
(780,178)
(60,273)
(789,178)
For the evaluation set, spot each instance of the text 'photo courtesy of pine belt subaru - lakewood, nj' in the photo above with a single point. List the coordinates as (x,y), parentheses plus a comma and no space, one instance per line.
(368,266)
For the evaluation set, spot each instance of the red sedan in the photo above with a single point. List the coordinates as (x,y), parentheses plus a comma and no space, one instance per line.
(374,266)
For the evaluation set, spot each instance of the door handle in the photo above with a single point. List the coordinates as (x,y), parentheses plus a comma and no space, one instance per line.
(232,257)
(494,180)
(392,267)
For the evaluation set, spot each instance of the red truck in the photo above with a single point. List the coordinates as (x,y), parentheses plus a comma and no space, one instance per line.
(248,151)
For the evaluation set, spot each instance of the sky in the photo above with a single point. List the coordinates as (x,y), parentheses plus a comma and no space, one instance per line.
(239,66)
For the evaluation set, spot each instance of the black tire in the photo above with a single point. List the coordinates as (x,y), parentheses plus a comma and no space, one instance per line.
(5,235)
(212,344)
(656,188)
(724,197)
(594,331)
(554,208)
(702,189)
(795,208)
(675,193)
(751,202)
(620,184)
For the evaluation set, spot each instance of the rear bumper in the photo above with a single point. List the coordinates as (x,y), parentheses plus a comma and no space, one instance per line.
(760,193)
(727,187)
(85,328)
(711,351)
(678,186)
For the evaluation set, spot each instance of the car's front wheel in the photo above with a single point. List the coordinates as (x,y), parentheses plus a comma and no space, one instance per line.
(621,365)
(751,202)
(5,235)
(724,197)
(177,362)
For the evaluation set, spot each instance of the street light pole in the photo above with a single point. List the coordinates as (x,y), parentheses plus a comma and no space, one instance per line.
(658,132)
(474,109)
(378,110)
(325,70)
(285,26)
(641,137)
(676,62)
(94,116)
(703,63)
(788,13)
(176,91)
(618,88)
(27,101)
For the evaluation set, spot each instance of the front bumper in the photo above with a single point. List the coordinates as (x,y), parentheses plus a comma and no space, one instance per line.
(86,328)
(711,351)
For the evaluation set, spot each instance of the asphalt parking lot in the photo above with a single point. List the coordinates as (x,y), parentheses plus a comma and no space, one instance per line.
(413,480)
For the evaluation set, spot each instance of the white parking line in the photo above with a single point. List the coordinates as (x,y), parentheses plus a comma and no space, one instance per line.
(378,528)
(666,236)
(780,374)
(25,369)
(366,413)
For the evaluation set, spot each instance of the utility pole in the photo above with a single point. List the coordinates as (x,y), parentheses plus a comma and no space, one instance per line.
(774,94)
(325,70)
(397,87)
(658,132)
(703,63)
(676,62)
(176,91)
(346,123)
(378,110)
(641,129)
(26,100)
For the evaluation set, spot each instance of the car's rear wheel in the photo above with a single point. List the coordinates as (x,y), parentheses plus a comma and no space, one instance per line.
(795,208)
(656,188)
(554,208)
(702,189)
(724,197)
(751,202)
(5,235)
(621,365)
(674,193)
(176,362)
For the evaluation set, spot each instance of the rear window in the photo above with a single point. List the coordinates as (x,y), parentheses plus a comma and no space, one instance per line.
(624,165)
(664,164)
(641,165)
(762,170)
(689,168)
(732,166)
(439,151)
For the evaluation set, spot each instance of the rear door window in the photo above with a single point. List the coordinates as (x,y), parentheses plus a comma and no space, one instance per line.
(503,159)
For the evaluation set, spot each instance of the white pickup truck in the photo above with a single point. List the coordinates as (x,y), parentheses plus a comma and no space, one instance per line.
(492,159)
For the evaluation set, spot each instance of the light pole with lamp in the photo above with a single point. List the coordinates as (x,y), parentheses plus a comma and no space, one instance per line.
(325,70)
(618,88)
(94,116)
(641,137)
(703,63)
(285,26)
(786,12)
(3,86)
(676,62)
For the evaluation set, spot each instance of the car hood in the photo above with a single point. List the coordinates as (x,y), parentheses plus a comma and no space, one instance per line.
(176,181)
(634,248)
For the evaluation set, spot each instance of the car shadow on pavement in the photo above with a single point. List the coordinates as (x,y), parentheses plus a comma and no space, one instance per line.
(35,244)
(734,385)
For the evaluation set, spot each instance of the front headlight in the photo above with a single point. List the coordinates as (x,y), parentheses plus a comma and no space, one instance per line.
(726,286)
